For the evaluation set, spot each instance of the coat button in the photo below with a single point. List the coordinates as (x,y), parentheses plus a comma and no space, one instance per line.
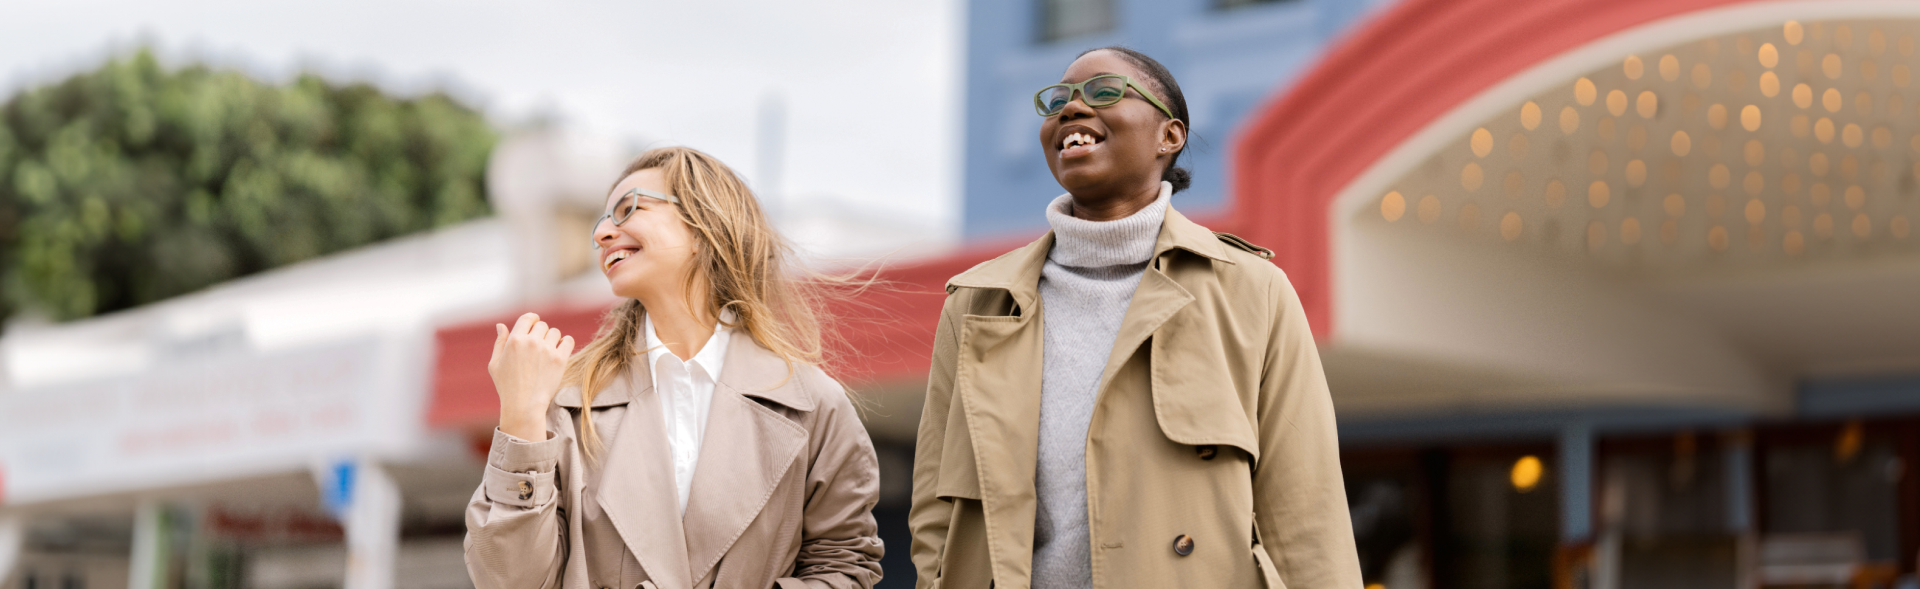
(526,490)
(1183,545)
(1206,452)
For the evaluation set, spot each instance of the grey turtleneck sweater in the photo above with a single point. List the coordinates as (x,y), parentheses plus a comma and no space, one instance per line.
(1085,287)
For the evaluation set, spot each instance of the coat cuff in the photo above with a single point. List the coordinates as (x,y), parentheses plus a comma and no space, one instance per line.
(521,473)
(513,454)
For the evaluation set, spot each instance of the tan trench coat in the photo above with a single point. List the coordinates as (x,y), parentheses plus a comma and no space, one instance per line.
(1212,436)
(782,495)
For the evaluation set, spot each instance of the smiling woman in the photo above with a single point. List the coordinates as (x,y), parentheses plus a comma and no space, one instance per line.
(1143,402)
(592,478)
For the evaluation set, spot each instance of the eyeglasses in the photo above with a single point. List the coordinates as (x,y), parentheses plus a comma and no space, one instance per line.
(623,208)
(1098,91)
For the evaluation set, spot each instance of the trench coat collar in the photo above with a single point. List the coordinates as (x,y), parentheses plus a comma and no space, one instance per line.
(637,489)
(747,451)
(1018,271)
(749,448)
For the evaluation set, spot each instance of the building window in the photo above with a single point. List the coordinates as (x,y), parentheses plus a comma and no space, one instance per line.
(1063,19)
(1232,4)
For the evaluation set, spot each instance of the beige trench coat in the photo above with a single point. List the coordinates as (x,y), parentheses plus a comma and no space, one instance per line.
(782,495)
(1212,460)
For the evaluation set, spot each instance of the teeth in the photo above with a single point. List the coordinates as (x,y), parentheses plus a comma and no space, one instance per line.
(619,255)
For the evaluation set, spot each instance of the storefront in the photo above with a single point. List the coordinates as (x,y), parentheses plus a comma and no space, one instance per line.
(1610,293)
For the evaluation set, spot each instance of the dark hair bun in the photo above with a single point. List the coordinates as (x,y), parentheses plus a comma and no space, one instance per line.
(1180,177)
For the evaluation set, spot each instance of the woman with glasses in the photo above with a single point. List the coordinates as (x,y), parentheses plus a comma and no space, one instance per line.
(695,442)
(1132,400)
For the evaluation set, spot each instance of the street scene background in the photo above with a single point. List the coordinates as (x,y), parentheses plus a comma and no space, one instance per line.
(1609,294)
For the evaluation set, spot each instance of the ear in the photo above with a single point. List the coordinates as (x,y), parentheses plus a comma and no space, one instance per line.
(1173,136)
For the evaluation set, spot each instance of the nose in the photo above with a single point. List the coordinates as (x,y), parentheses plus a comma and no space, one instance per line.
(1076,107)
(604,231)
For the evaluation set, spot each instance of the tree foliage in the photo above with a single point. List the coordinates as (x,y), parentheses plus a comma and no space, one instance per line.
(133,183)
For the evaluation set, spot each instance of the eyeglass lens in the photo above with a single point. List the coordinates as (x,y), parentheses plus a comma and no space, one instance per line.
(619,212)
(1100,91)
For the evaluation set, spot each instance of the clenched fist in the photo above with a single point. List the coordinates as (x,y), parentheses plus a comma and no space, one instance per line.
(527,363)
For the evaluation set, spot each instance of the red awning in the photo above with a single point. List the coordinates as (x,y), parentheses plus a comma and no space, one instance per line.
(886,335)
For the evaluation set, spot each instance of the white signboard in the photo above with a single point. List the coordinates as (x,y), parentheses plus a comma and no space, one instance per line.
(198,419)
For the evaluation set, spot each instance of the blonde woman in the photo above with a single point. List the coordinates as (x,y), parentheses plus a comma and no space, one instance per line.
(696,442)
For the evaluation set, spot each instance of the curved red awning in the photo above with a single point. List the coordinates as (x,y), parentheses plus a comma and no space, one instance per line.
(1378,87)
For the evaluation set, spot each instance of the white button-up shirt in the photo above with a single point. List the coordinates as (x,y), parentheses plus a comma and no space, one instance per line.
(685,389)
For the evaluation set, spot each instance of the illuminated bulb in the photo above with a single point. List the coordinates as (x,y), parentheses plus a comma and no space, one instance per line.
(1526,473)
(1393,206)
(1530,115)
(1482,142)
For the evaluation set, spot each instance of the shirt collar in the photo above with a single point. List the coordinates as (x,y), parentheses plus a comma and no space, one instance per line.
(711,356)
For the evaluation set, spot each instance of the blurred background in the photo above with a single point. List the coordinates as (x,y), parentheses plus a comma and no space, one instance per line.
(1610,293)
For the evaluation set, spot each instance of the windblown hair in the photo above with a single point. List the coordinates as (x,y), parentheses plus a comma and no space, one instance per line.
(748,266)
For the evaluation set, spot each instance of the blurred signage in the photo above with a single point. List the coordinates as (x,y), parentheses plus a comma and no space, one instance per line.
(198,418)
(336,487)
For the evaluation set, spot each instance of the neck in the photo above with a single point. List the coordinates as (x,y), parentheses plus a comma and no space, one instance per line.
(683,330)
(1118,204)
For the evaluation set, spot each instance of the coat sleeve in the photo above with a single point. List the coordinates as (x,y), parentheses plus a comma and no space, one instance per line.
(930,515)
(840,544)
(515,532)
(1300,501)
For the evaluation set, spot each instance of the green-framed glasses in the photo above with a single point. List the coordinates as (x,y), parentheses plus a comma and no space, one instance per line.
(1098,91)
(623,208)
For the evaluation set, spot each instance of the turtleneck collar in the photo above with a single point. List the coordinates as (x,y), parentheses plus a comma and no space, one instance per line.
(1093,244)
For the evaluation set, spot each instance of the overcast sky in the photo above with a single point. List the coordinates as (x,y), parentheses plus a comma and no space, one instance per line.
(870,87)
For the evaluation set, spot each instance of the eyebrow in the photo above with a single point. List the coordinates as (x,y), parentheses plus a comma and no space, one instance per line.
(1095,75)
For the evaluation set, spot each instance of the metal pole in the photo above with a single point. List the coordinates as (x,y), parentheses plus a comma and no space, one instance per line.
(148,566)
(13,541)
(373,528)
(1576,482)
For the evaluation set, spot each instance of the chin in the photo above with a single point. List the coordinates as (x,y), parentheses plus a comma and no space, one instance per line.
(626,287)
(1078,183)
(1081,176)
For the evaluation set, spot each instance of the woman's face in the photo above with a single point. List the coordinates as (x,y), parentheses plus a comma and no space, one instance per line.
(650,253)
(1128,136)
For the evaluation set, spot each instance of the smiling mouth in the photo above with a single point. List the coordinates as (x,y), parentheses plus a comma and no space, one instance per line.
(1078,144)
(616,257)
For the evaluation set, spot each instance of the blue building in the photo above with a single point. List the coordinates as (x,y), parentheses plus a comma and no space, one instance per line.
(1230,55)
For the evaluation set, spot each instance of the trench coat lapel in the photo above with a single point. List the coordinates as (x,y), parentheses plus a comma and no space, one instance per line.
(637,489)
(998,383)
(1159,297)
(747,450)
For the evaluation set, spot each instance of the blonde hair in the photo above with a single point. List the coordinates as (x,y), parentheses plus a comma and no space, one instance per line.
(749,269)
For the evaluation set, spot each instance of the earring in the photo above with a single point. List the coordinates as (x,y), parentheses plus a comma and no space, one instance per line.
(1163,150)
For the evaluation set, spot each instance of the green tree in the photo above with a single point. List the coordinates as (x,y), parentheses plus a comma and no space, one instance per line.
(133,183)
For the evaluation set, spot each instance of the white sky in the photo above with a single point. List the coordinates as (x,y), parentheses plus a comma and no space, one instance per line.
(870,87)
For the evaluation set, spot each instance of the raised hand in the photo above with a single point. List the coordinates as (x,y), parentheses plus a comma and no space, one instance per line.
(528,360)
